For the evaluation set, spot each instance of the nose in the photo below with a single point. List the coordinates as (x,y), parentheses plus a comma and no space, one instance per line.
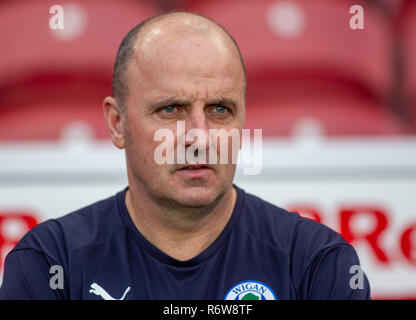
(196,125)
(196,136)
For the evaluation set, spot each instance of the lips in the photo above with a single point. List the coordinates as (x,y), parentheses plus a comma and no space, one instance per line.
(194,167)
(195,171)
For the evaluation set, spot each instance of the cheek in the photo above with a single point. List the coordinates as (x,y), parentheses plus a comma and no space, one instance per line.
(140,147)
(228,144)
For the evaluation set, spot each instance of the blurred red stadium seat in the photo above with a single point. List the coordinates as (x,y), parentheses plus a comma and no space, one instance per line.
(407,21)
(303,59)
(323,117)
(50,78)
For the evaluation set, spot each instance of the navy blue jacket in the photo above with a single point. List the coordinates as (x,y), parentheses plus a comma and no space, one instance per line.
(264,252)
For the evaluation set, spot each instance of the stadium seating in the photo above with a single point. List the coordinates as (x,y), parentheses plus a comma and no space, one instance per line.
(52,78)
(407,21)
(301,117)
(304,60)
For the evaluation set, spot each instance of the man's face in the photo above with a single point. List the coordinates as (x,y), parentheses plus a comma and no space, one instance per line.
(194,79)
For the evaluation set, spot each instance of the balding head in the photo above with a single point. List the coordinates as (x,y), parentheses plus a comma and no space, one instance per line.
(180,74)
(176,33)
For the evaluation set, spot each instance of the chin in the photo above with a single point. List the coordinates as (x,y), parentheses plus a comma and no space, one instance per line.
(196,197)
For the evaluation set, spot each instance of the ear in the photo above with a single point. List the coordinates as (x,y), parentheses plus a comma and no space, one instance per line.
(114,119)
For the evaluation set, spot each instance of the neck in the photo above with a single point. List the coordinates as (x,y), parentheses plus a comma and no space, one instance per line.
(182,233)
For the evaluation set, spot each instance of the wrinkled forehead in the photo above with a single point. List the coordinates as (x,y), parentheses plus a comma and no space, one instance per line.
(168,53)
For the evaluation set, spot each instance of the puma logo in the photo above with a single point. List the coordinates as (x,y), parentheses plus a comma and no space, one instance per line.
(99,291)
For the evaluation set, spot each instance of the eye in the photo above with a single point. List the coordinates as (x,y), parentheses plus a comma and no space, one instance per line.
(221,109)
(169,109)
(220,112)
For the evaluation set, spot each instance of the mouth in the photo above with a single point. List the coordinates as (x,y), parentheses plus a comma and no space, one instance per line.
(194,167)
(195,172)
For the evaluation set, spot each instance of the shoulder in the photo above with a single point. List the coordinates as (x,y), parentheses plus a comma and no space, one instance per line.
(285,230)
(303,243)
(85,226)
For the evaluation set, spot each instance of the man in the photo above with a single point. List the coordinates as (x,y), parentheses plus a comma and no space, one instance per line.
(180,231)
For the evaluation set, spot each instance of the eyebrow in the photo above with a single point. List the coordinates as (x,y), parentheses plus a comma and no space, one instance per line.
(171,101)
(223,101)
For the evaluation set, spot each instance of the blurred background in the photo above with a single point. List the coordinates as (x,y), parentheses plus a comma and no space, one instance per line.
(332,87)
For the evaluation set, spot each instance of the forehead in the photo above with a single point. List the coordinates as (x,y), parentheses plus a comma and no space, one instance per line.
(175,61)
